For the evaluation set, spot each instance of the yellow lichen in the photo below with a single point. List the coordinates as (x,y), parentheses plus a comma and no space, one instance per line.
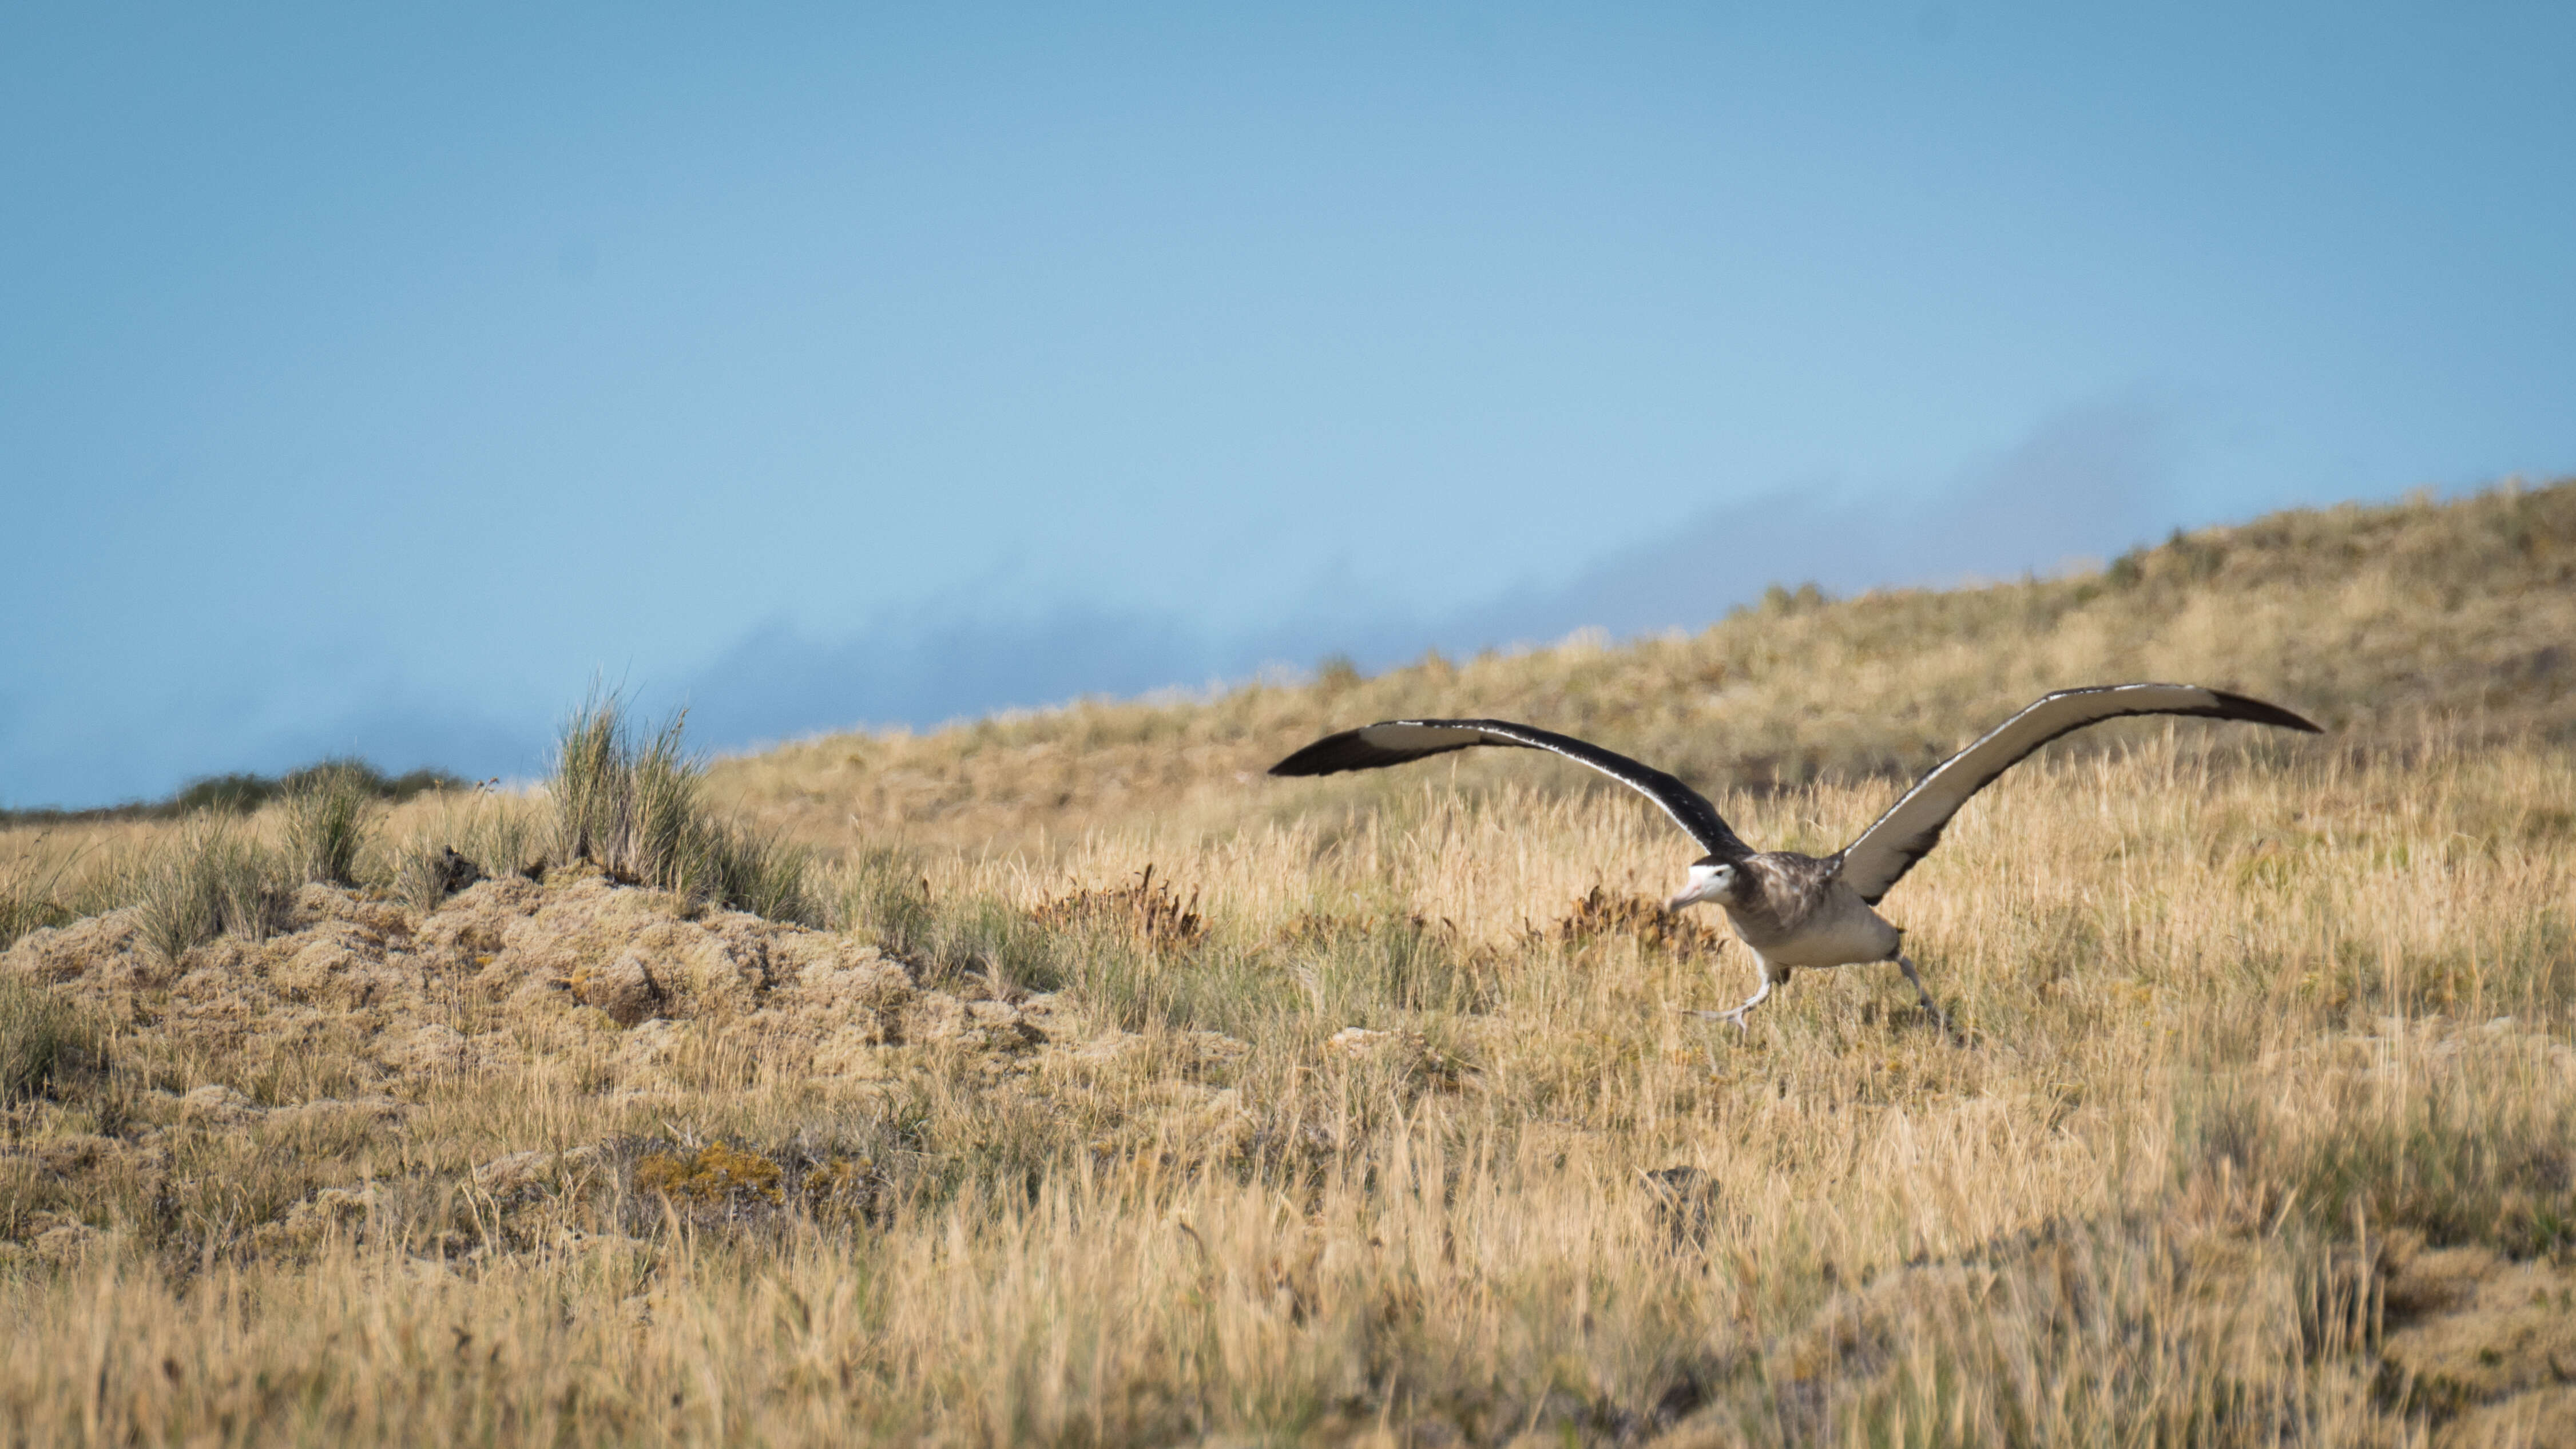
(716,1173)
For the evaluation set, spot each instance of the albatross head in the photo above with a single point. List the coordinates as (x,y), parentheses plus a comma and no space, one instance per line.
(1710,880)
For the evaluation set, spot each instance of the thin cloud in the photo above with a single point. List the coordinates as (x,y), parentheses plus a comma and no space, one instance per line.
(932,665)
(2088,482)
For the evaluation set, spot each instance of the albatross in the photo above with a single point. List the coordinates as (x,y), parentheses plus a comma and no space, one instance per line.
(1795,910)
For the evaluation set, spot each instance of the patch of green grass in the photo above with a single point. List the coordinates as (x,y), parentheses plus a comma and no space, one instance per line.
(1363,971)
(2501,1177)
(2480,1156)
(986,938)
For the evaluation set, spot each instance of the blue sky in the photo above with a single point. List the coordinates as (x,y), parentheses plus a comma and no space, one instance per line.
(372,381)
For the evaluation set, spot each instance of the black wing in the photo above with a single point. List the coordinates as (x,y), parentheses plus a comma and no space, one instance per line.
(1394,741)
(1912,826)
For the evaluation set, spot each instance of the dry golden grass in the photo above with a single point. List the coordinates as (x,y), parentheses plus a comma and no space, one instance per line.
(2264,1137)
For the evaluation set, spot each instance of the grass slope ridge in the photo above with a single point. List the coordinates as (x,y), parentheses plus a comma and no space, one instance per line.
(2369,620)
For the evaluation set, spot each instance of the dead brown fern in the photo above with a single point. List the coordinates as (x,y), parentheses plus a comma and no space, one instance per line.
(1144,910)
(1598,913)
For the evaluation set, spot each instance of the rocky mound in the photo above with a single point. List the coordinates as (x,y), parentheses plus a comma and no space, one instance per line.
(508,971)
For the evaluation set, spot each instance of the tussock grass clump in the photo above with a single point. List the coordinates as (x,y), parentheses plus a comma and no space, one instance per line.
(751,869)
(632,804)
(427,872)
(330,811)
(30,896)
(41,1038)
(464,839)
(1099,942)
(881,893)
(209,878)
(1140,951)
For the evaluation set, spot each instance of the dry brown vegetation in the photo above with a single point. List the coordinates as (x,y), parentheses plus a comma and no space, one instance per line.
(2264,1134)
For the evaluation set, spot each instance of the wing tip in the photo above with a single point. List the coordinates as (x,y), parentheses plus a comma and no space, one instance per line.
(2256,711)
(1328,756)
(2231,705)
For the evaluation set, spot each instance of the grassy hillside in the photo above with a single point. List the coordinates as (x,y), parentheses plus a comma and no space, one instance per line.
(2370,620)
(1112,1093)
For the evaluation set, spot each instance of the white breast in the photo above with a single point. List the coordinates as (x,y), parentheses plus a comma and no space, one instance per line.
(1841,931)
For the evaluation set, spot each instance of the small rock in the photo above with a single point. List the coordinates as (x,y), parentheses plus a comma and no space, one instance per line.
(1361,1042)
(1355,1041)
(862,979)
(65,1243)
(454,872)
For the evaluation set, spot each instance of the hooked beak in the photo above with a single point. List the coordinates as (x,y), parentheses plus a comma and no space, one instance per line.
(1704,884)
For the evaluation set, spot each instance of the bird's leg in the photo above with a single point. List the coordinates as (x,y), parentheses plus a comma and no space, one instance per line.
(1907,966)
(1736,1014)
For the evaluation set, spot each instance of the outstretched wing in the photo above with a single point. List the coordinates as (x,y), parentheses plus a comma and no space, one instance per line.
(1394,741)
(1912,826)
